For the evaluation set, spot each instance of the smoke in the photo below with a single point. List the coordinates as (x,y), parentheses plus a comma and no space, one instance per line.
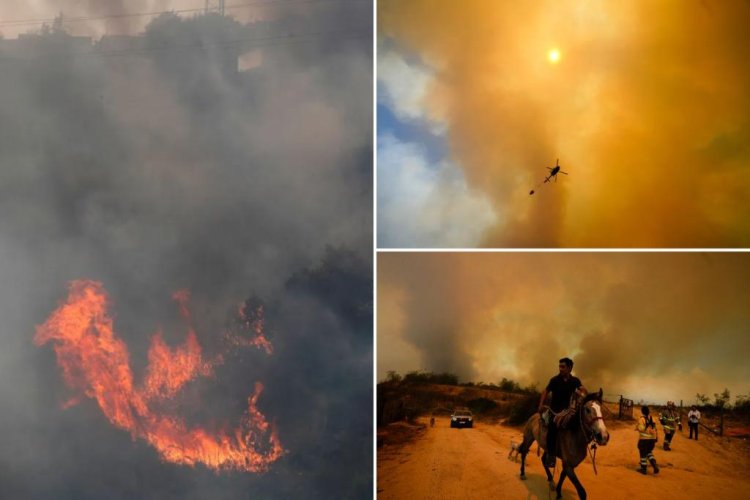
(650,123)
(119,9)
(652,326)
(162,170)
(86,17)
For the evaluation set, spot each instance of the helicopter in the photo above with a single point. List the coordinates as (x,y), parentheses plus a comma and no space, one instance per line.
(554,171)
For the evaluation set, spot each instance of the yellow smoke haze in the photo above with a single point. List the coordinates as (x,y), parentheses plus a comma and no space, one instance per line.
(647,107)
(651,326)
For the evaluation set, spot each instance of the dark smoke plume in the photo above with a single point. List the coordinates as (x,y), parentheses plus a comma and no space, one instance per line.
(153,165)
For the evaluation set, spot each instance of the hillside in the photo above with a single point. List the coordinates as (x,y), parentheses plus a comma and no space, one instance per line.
(399,401)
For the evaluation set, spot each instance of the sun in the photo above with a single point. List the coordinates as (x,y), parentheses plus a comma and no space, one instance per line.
(553,56)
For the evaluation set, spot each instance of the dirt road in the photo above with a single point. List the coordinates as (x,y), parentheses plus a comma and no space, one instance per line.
(445,463)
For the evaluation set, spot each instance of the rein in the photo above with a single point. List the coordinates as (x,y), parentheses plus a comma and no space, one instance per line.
(589,437)
(549,408)
(593,457)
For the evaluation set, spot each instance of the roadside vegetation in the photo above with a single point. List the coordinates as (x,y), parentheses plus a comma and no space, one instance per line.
(420,393)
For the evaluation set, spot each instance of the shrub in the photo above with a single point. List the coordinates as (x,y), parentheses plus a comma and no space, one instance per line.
(524,408)
(481,405)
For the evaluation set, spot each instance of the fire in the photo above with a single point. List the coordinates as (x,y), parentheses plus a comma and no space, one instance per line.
(95,363)
(251,320)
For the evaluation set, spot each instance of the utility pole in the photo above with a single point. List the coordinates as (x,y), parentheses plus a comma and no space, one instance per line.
(215,6)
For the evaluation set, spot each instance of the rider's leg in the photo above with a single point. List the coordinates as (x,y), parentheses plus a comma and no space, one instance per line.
(551,441)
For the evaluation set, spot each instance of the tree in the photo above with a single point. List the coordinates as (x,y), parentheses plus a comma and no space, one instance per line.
(420,377)
(702,399)
(721,399)
(509,385)
(531,389)
(57,24)
(742,404)
(392,377)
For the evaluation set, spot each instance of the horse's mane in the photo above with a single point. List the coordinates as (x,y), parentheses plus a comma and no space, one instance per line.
(593,396)
(578,399)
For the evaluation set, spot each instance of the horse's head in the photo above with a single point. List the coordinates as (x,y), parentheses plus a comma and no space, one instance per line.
(592,419)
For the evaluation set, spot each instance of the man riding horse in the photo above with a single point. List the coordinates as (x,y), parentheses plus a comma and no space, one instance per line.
(562,387)
(579,413)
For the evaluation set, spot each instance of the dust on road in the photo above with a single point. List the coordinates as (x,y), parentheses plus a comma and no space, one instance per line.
(444,463)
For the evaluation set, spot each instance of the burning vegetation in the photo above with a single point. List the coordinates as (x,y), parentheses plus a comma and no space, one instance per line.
(95,363)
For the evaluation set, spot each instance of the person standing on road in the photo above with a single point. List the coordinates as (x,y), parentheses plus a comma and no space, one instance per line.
(668,421)
(562,387)
(694,418)
(647,437)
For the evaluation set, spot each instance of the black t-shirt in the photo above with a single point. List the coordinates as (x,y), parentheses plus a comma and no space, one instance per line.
(562,390)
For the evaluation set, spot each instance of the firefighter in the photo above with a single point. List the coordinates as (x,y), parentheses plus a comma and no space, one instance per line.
(647,438)
(669,420)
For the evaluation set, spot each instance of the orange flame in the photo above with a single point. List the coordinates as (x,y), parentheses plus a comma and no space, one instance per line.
(252,320)
(96,363)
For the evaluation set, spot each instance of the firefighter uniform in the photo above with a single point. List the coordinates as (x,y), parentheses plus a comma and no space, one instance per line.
(669,420)
(647,437)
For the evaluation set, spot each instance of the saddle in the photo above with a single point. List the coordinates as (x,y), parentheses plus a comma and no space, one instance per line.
(561,420)
(544,421)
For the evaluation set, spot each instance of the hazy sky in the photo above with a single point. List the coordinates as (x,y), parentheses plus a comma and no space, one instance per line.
(652,326)
(164,170)
(646,107)
(130,16)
